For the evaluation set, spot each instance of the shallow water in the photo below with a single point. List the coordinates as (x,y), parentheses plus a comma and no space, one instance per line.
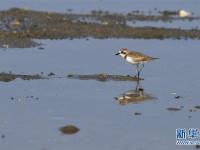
(32,112)
(182,24)
(28,123)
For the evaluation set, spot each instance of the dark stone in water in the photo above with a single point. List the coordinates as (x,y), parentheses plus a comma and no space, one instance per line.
(40,48)
(137,113)
(197,107)
(192,110)
(51,74)
(173,109)
(178,97)
(69,129)
(3,136)
(70,75)
(197,146)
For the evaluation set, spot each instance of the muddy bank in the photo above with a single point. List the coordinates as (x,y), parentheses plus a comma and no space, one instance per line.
(18,27)
(7,41)
(7,77)
(103,77)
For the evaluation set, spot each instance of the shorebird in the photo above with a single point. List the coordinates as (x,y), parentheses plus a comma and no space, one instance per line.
(135,58)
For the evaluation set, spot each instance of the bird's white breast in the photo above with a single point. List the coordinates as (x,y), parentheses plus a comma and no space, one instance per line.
(130,60)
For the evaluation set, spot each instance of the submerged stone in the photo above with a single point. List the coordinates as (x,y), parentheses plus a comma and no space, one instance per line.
(69,129)
(173,109)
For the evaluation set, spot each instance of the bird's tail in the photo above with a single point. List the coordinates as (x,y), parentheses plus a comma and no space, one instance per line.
(153,58)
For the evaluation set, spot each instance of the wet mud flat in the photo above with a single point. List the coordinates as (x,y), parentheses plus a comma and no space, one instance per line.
(103,77)
(10,41)
(7,77)
(18,27)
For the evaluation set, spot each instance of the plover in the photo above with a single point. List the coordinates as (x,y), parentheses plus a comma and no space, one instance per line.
(135,58)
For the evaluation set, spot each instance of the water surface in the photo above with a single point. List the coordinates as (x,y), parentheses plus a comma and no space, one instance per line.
(28,123)
(107,5)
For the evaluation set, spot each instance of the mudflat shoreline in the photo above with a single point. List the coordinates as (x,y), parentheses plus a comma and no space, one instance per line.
(18,27)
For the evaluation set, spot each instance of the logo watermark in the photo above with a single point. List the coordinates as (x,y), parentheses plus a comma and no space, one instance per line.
(189,136)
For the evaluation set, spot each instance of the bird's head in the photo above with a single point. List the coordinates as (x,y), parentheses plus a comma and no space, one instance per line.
(122,52)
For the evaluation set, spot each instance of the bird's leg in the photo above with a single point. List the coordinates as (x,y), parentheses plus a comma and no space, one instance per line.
(138,75)
(138,72)
(140,69)
(137,85)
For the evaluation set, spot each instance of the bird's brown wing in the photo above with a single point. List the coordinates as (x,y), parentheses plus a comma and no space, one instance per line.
(139,57)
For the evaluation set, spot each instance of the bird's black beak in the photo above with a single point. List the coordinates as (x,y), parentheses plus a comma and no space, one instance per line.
(117,54)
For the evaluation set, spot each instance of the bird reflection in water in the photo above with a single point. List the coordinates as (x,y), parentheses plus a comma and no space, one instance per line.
(134,96)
